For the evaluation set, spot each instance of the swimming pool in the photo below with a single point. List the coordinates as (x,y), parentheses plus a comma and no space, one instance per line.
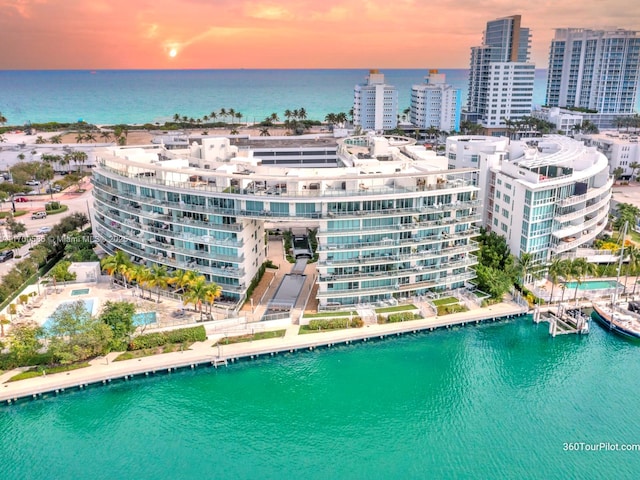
(144,318)
(595,285)
(89,304)
(79,291)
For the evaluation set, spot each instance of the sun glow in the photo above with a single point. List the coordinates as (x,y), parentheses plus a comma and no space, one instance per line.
(173,52)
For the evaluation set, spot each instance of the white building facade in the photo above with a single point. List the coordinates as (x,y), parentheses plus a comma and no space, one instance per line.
(621,149)
(594,69)
(434,103)
(393,222)
(501,76)
(375,104)
(546,196)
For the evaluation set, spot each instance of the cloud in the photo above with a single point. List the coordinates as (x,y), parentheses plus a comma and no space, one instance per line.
(268,11)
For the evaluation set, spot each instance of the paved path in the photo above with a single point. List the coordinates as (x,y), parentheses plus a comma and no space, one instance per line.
(103,369)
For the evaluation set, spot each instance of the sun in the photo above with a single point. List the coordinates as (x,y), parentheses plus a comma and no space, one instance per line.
(173,52)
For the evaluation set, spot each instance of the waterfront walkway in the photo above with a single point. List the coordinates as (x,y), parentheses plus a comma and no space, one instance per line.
(104,369)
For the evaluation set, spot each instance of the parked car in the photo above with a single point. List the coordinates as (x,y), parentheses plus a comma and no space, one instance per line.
(33,183)
(6,255)
(37,215)
(44,230)
(33,192)
(21,199)
(54,189)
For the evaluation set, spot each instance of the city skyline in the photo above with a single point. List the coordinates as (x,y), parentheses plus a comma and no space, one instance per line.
(168,34)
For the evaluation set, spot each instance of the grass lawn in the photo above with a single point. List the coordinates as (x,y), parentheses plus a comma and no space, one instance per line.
(329,314)
(146,352)
(40,371)
(18,213)
(250,337)
(445,301)
(398,308)
(62,209)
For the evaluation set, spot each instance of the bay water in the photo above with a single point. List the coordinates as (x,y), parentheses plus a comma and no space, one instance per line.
(500,400)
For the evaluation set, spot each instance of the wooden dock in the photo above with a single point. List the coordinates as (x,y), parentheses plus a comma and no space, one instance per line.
(563,320)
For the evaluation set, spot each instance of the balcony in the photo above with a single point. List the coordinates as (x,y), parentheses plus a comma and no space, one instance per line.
(594,192)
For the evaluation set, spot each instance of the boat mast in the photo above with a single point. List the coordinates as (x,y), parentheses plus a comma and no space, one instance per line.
(620,260)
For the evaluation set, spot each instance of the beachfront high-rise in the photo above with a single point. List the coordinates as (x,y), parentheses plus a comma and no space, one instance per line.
(436,104)
(375,104)
(391,222)
(501,76)
(594,69)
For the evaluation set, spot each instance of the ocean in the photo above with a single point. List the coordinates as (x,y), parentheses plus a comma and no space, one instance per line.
(500,400)
(141,96)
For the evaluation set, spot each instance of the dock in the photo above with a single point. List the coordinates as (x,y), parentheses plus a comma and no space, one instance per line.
(563,320)
(104,371)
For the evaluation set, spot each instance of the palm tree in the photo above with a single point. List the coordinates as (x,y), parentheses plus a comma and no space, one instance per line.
(274,117)
(176,117)
(580,269)
(158,278)
(3,119)
(526,267)
(105,135)
(141,275)
(197,293)
(557,268)
(90,137)
(264,132)
(79,138)
(213,116)
(80,157)
(116,264)
(239,117)
(617,173)
(234,131)
(213,291)
(223,113)
(302,113)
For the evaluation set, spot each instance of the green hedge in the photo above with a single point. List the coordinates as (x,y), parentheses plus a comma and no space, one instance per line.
(181,335)
(451,308)
(335,324)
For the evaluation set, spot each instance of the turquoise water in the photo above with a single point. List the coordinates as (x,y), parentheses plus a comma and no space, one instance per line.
(144,318)
(80,291)
(494,401)
(138,96)
(88,305)
(594,285)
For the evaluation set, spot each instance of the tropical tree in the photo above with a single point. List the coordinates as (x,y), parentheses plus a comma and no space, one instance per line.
(158,278)
(213,291)
(556,269)
(223,113)
(140,274)
(3,119)
(634,264)
(634,166)
(119,317)
(197,293)
(626,213)
(579,269)
(264,132)
(117,264)
(526,267)
(80,158)
(618,172)
(105,135)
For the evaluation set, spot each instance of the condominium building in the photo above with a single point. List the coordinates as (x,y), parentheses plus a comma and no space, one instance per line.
(621,149)
(594,69)
(546,196)
(435,104)
(392,222)
(501,77)
(375,104)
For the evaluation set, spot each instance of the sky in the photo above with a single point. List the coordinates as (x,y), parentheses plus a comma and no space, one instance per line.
(219,34)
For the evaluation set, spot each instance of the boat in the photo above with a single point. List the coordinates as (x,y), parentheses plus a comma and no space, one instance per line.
(617,319)
(616,316)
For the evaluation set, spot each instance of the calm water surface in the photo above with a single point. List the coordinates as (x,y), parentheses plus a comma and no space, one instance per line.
(495,401)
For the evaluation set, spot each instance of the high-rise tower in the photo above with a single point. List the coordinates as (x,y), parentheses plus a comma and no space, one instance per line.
(375,104)
(594,69)
(501,77)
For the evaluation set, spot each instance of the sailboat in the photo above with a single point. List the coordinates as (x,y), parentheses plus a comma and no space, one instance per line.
(615,315)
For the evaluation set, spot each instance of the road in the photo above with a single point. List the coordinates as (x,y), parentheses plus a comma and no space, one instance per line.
(76,203)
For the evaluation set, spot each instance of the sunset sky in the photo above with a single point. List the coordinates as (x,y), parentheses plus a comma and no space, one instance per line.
(166,34)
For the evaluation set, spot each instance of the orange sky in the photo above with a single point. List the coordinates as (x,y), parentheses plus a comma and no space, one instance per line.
(128,34)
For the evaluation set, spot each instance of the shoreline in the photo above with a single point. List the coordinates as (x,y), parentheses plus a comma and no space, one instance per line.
(103,370)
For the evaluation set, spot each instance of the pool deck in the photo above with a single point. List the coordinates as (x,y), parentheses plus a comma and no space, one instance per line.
(103,370)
